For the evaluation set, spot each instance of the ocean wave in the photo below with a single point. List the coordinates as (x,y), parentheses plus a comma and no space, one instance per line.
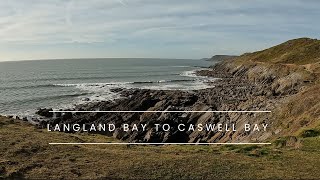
(196,82)
(88,78)
(123,83)
(181,66)
(103,91)
(193,74)
(162,81)
(187,85)
(28,87)
(37,99)
(93,84)
(62,78)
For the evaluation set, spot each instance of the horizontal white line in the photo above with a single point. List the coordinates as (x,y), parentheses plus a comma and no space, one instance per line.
(124,143)
(166,111)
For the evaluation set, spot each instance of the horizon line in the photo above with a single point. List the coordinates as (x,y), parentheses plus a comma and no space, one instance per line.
(48,59)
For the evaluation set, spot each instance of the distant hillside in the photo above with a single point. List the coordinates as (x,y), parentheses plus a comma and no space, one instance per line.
(221,57)
(297,51)
(291,71)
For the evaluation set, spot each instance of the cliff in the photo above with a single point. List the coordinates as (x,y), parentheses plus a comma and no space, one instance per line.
(272,80)
(221,57)
(290,72)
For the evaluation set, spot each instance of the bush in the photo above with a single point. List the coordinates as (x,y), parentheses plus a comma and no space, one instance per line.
(310,133)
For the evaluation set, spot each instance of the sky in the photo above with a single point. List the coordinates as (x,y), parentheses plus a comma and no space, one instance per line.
(54,29)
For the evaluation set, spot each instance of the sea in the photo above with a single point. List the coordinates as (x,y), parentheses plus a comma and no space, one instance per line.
(26,86)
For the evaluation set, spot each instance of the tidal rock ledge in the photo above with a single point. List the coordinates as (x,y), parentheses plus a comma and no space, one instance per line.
(233,91)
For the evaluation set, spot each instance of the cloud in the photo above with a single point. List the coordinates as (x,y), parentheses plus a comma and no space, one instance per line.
(156,24)
(122,2)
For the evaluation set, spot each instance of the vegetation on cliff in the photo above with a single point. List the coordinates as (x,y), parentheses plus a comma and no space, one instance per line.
(292,71)
(297,51)
(283,79)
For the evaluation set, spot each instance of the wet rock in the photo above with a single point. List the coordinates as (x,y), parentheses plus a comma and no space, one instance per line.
(45,112)
(2,170)
(116,90)
(234,90)
(86,99)
(57,114)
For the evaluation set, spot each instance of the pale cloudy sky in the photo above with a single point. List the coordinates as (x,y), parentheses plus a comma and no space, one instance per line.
(42,29)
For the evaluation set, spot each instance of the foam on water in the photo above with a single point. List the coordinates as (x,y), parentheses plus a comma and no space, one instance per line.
(26,86)
(103,91)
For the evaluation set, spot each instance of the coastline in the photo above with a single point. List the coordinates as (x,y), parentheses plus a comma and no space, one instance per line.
(229,92)
(51,84)
(240,84)
(159,90)
(86,92)
(236,86)
(288,149)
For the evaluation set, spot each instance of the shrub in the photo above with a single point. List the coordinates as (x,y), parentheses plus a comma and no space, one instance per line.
(310,133)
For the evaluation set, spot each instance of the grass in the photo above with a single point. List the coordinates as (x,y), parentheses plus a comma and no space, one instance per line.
(25,153)
(297,51)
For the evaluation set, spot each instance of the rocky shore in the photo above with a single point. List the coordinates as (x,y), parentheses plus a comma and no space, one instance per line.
(243,84)
(259,81)
(233,91)
(284,79)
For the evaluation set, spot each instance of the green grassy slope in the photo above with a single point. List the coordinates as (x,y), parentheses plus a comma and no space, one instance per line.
(294,64)
(25,153)
(297,51)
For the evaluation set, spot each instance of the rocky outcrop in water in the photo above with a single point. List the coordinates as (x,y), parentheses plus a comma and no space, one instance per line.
(260,81)
(232,92)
